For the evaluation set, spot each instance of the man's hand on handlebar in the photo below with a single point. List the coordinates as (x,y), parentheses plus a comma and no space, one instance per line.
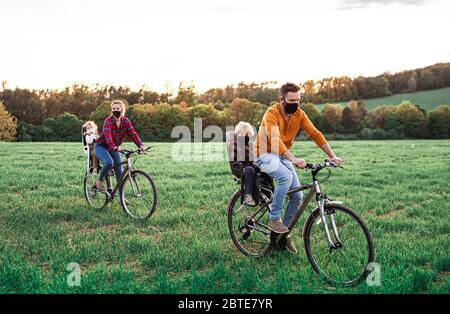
(299,163)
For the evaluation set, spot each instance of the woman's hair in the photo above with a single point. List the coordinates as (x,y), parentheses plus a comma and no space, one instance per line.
(92,124)
(119,102)
(244,129)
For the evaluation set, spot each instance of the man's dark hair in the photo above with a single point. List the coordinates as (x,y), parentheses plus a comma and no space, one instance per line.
(288,87)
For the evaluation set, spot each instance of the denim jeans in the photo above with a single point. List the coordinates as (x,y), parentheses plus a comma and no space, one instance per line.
(282,170)
(109,159)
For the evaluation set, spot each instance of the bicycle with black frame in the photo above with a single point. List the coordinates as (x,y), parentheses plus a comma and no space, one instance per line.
(337,242)
(135,189)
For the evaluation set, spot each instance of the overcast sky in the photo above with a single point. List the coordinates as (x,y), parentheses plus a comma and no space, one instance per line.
(54,43)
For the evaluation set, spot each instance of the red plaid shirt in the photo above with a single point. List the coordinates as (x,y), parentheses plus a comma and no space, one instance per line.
(113,136)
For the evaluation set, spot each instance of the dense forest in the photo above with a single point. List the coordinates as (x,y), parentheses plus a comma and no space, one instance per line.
(57,115)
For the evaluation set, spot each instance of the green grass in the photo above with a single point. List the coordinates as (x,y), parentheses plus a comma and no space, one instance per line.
(428,100)
(400,188)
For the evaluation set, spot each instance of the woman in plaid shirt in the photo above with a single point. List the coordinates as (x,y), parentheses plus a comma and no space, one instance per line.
(107,147)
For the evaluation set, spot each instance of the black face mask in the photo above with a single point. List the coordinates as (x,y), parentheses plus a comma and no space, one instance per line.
(117,114)
(290,107)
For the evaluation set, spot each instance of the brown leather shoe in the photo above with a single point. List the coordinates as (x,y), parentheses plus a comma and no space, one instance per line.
(99,186)
(290,246)
(276,225)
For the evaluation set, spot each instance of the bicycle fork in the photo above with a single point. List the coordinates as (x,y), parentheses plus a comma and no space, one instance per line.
(321,204)
(135,186)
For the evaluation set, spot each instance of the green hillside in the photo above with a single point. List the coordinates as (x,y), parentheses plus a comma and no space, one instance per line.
(428,100)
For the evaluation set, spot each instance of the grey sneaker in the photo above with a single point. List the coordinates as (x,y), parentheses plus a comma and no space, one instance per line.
(290,246)
(248,200)
(276,225)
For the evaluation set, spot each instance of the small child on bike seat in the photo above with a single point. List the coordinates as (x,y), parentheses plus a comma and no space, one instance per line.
(243,151)
(90,132)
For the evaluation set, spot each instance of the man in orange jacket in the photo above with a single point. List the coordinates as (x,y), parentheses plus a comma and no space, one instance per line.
(280,124)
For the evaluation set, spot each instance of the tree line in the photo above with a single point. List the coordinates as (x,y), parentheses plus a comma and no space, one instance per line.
(155,122)
(57,115)
(337,89)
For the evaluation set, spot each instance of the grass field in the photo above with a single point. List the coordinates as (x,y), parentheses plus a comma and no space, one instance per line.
(428,100)
(400,188)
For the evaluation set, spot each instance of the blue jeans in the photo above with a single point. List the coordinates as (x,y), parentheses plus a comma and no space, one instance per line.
(282,170)
(109,159)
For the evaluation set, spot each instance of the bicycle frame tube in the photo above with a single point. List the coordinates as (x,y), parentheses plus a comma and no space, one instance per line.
(305,203)
(314,191)
(128,167)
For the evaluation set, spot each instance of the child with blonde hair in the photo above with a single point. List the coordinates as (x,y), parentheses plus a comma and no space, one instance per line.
(244,153)
(90,131)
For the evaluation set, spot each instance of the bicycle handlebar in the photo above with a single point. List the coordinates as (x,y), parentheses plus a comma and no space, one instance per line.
(327,163)
(128,152)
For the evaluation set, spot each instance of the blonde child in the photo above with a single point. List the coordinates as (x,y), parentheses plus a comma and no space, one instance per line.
(90,131)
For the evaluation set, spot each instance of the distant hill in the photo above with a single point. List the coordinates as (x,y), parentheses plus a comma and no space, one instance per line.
(428,100)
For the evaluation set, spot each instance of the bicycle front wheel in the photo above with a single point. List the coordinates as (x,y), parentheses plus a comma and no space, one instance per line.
(248,227)
(346,265)
(138,195)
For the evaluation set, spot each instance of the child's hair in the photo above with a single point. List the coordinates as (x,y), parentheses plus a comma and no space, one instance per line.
(244,129)
(92,123)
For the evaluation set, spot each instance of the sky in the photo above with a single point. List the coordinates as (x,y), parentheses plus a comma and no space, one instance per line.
(212,43)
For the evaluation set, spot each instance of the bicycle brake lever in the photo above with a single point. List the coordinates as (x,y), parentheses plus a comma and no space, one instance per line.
(143,151)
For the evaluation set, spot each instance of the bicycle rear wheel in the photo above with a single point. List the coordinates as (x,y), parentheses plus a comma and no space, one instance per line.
(248,227)
(95,198)
(344,266)
(138,195)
